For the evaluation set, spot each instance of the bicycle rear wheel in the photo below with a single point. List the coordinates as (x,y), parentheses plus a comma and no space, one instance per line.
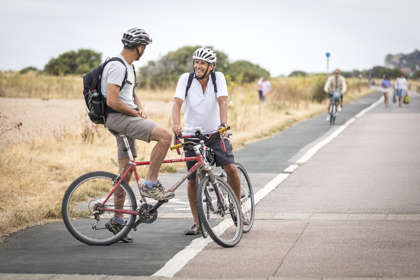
(247,198)
(219,212)
(83,214)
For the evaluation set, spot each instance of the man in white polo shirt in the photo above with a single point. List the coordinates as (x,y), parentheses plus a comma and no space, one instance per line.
(205,107)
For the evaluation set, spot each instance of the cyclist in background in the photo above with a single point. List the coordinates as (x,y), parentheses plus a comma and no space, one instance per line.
(205,107)
(335,83)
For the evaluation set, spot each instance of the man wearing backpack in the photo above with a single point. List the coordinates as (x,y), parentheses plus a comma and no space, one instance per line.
(126,116)
(205,107)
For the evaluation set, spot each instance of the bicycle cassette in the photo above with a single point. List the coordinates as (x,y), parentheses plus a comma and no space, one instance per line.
(145,215)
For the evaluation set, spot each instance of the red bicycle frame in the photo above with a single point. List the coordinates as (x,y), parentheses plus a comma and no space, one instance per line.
(132,168)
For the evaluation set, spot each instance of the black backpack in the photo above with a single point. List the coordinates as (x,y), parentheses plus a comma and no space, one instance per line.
(95,101)
(191,77)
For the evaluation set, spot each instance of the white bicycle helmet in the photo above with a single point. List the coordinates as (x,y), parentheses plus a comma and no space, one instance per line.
(134,37)
(205,54)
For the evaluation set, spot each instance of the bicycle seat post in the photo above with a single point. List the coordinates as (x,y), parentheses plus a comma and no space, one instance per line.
(127,146)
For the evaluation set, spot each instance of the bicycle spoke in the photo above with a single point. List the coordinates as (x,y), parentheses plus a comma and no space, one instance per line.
(219,211)
(86,217)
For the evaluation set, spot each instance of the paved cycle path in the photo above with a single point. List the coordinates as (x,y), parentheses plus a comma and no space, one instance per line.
(351,212)
(50,249)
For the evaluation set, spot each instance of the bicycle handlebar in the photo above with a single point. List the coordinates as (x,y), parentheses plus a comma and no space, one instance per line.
(199,135)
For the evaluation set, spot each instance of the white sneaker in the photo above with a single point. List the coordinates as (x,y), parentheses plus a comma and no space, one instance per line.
(328,118)
(338,108)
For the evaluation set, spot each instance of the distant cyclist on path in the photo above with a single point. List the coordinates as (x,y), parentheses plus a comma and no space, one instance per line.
(205,107)
(336,83)
(126,116)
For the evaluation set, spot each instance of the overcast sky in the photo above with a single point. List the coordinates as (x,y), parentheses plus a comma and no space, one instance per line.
(279,35)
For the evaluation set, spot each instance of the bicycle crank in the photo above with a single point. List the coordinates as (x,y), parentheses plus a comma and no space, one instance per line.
(147,214)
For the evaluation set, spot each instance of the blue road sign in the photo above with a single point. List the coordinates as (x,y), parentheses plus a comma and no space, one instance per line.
(327,54)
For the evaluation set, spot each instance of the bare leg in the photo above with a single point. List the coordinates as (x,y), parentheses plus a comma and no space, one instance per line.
(119,194)
(192,194)
(233,179)
(163,138)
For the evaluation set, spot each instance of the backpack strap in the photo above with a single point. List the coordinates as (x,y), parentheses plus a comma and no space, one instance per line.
(213,79)
(191,77)
(125,76)
(135,75)
(189,82)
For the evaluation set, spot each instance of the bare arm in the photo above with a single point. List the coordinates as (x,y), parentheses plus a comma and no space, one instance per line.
(115,103)
(176,116)
(222,100)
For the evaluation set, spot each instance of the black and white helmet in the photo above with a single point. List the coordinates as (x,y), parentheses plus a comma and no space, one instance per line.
(134,37)
(205,54)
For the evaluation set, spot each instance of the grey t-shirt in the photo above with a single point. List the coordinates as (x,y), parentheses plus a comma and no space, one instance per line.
(114,73)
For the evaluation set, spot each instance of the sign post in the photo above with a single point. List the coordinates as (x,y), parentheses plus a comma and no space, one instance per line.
(328,61)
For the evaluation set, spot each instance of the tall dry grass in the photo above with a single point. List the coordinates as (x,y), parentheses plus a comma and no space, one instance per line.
(35,174)
(37,85)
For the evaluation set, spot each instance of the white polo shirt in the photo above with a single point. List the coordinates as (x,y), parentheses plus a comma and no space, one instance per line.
(201,109)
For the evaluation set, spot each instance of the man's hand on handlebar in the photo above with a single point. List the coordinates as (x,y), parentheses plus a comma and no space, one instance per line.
(223,128)
(177,129)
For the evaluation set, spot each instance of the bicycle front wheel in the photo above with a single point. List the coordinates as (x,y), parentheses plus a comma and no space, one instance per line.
(247,198)
(219,212)
(84,214)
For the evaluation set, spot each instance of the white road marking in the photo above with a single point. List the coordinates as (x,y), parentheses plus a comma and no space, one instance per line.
(177,262)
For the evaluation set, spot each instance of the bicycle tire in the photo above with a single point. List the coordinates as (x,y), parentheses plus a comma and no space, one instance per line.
(224,222)
(332,113)
(247,197)
(80,199)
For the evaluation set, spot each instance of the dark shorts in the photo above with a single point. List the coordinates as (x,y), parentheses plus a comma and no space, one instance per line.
(221,158)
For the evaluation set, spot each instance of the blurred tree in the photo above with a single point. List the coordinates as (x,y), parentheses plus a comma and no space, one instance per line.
(243,71)
(28,69)
(73,62)
(298,73)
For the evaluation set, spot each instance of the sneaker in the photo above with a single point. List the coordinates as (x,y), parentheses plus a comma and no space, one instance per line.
(245,221)
(194,230)
(338,108)
(157,192)
(115,226)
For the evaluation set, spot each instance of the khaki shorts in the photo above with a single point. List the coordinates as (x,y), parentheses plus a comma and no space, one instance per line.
(132,127)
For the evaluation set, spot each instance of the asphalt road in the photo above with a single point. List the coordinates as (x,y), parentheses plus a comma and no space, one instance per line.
(352,210)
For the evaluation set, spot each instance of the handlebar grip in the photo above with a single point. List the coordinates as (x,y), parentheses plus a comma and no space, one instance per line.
(176,146)
(224,129)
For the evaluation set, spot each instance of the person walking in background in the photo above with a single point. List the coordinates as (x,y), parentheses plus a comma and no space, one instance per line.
(264,87)
(401,88)
(386,87)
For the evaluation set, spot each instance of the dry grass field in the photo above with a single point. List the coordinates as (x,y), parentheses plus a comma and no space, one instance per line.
(40,158)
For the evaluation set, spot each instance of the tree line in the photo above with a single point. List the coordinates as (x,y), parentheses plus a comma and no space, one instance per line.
(157,73)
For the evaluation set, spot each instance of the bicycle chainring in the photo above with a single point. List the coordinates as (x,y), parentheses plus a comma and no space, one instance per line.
(145,215)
